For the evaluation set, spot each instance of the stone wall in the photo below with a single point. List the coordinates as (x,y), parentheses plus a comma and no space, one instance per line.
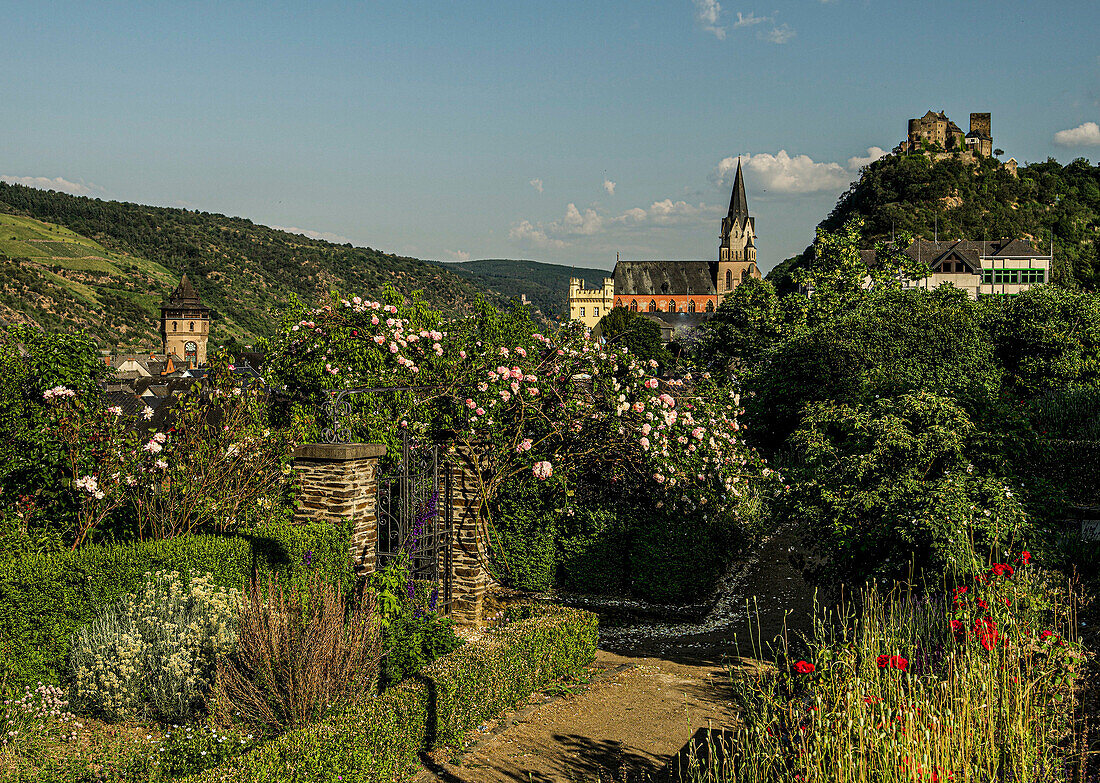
(338,481)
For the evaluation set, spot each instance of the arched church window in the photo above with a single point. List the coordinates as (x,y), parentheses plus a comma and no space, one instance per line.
(633,305)
(174,329)
(710,305)
(672,305)
(691,305)
(192,326)
(729,279)
(652,306)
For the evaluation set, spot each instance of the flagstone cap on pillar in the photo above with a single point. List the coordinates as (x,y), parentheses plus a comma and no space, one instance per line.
(339,452)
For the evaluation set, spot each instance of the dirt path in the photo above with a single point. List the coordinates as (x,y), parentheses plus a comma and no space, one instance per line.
(653,685)
(633,716)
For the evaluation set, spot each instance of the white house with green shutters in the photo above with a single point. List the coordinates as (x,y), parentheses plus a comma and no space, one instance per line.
(1002,267)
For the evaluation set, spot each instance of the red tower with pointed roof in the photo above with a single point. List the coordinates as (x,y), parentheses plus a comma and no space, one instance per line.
(185,324)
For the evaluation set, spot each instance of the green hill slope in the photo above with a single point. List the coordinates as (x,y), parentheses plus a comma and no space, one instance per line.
(545,285)
(963,202)
(106,266)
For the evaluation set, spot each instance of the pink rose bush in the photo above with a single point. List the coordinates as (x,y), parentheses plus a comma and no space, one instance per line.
(499,388)
(217,458)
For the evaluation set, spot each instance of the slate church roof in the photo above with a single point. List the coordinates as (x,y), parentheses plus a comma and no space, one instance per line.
(653,279)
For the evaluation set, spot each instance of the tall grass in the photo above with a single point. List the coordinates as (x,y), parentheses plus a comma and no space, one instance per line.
(973,684)
(301,653)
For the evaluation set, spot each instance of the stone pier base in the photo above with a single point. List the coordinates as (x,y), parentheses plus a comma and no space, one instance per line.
(470,578)
(338,481)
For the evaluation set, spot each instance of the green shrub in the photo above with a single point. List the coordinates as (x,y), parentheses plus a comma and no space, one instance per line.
(381,740)
(676,559)
(44,598)
(411,642)
(888,484)
(525,528)
(155,649)
(592,550)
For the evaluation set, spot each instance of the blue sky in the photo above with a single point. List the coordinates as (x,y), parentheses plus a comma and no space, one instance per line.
(558,131)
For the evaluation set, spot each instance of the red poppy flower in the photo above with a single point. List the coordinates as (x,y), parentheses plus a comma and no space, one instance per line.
(958,630)
(802,667)
(1025,557)
(982,604)
(892,662)
(1003,569)
(988,639)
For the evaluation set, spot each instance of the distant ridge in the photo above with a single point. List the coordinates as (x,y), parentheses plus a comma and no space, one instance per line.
(545,285)
(105,266)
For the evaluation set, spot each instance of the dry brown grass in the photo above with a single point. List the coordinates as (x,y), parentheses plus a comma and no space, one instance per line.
(300,655)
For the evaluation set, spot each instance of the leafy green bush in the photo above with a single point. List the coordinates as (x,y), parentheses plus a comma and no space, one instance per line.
(524,521)
(381,740)
(186,750)
(891,483)
(44,598)
(413,640)
(155,649)
(593,550)
(895,343)
(674,559)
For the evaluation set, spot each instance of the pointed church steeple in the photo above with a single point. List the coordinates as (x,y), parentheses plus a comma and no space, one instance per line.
(739,202)
(738,238)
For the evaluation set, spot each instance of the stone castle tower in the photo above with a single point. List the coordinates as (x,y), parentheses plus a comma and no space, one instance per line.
(185,324)
(589,305)
(737,243)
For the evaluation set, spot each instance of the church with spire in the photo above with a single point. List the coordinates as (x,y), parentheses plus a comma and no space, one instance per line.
(679,294)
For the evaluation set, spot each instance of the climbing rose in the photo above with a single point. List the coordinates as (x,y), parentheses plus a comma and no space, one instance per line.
(58,391)
(802,667)
(542,470)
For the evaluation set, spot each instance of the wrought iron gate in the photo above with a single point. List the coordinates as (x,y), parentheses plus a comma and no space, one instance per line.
(414,518)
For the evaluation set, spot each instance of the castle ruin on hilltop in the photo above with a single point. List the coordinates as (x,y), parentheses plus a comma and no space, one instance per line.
(937,137)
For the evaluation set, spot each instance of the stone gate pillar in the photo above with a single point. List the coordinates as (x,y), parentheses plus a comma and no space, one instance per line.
(340,480)
(470,578)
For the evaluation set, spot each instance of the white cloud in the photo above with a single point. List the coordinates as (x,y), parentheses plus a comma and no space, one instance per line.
(707,13)
(57,183)
(750,19)
(327,236)
(526,232)
(456,255)
(575,222)
(609,186)
(536,183)
(856,162)
(1085,134)
(779,34)
(783,173)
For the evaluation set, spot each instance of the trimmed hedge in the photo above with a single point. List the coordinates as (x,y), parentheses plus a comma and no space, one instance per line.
(44,598)
(458,692)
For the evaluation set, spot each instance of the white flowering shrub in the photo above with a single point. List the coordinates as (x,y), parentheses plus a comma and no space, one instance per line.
(154,651)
